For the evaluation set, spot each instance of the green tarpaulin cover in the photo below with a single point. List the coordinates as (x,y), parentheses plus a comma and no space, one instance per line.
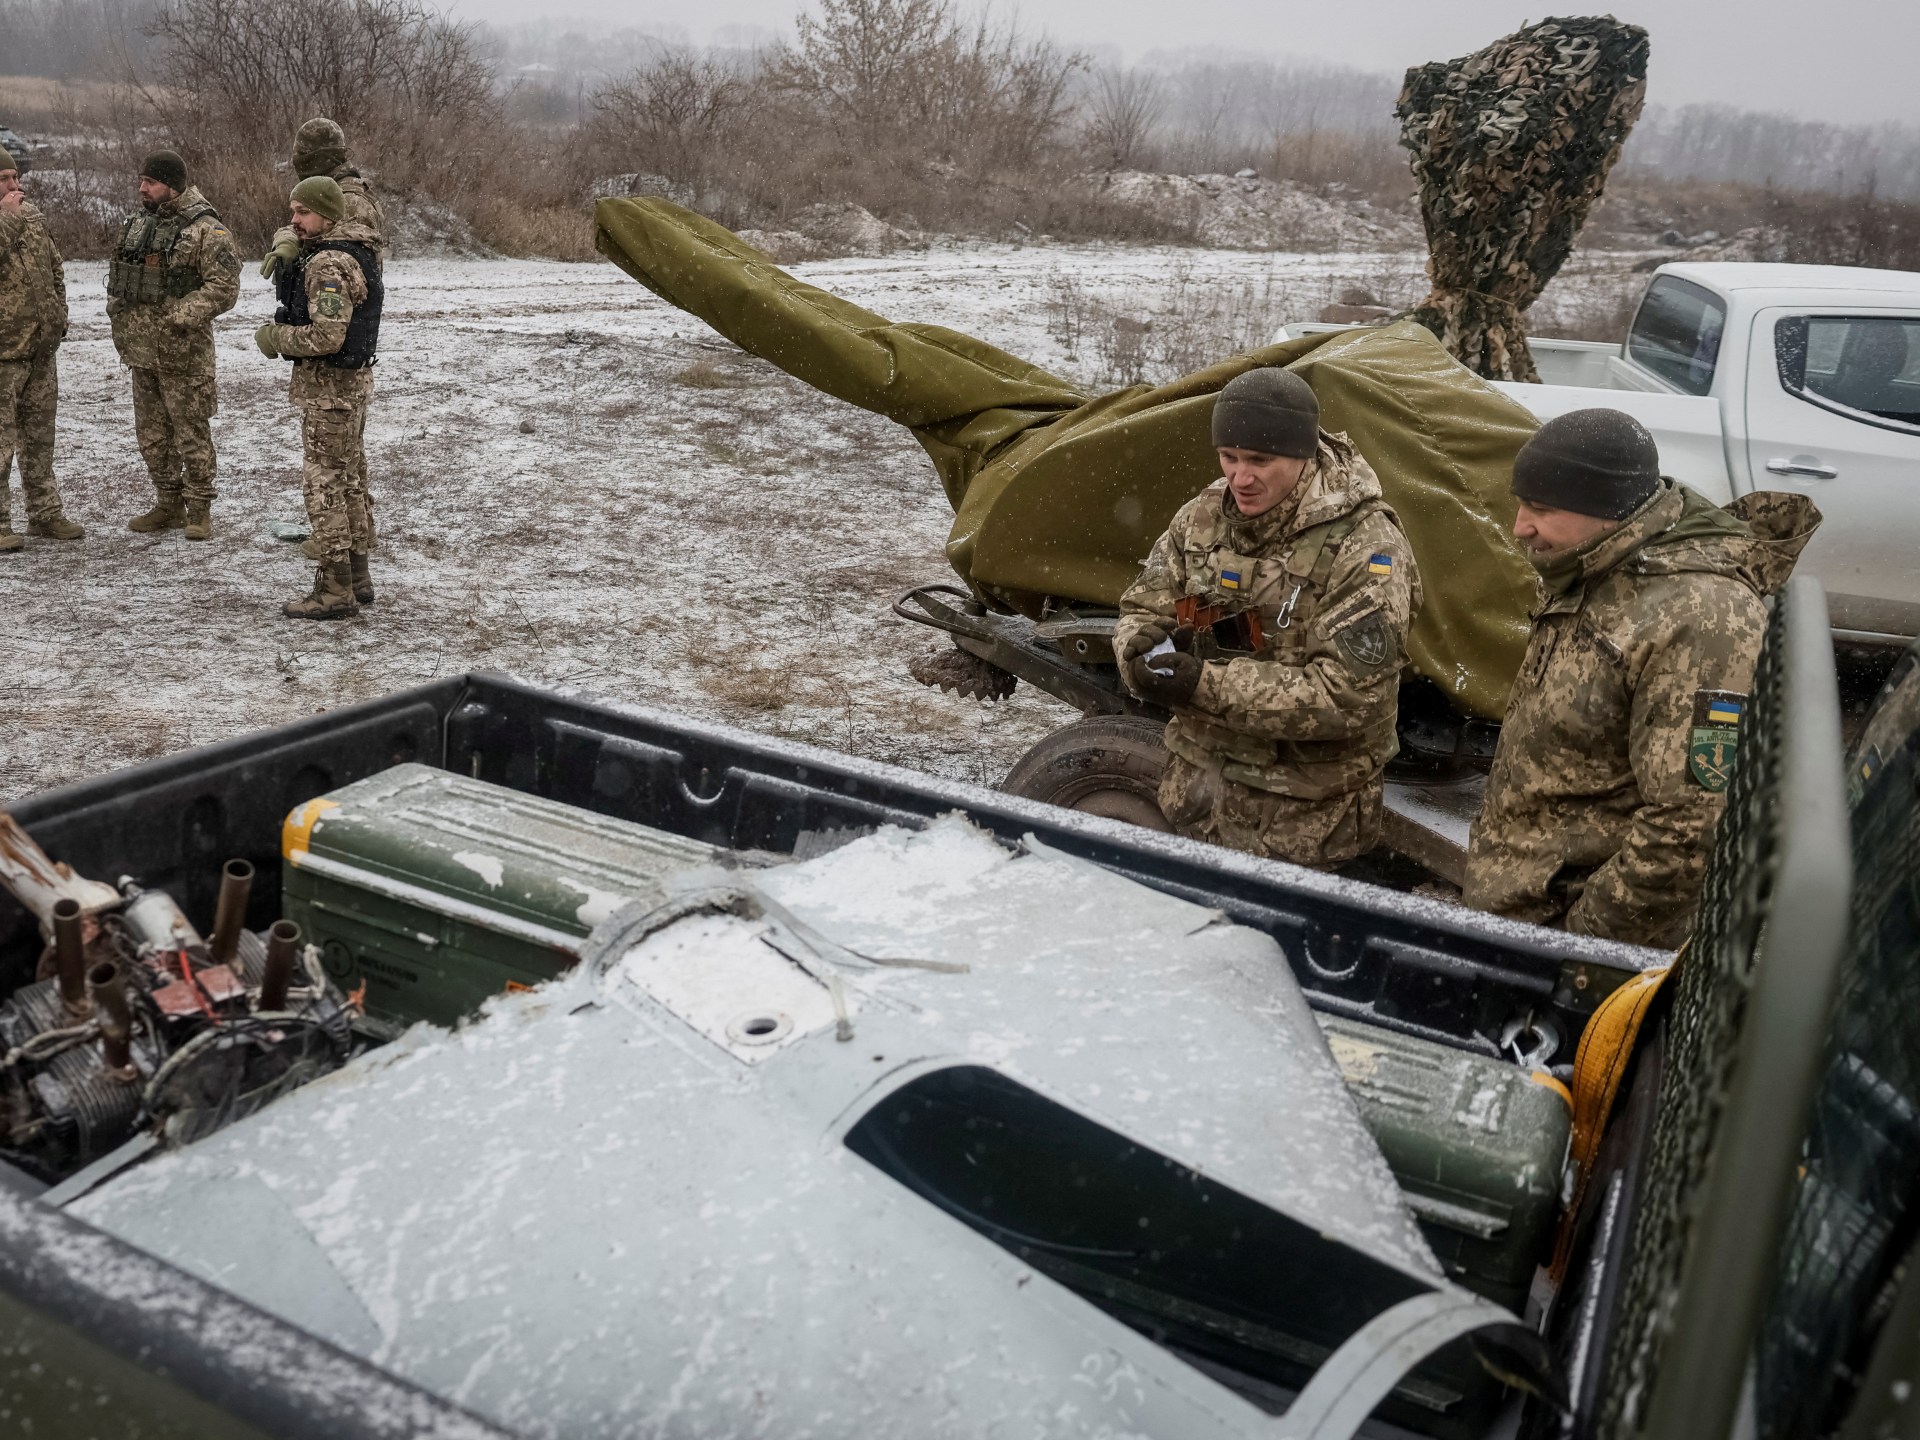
(1057,492)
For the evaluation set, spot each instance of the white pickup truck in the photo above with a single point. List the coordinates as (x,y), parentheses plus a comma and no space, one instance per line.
(1777,377)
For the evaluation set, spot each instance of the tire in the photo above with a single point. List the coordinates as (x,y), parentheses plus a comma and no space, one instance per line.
(1109,765)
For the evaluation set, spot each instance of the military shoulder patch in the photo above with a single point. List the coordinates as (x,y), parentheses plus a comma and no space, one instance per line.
(1366,641)
(1380,564)
(1715,738)
(330,304)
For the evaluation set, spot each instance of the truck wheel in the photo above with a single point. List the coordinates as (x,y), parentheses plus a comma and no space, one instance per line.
(1110,765)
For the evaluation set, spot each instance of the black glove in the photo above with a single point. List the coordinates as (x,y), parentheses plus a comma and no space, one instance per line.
(1166,679)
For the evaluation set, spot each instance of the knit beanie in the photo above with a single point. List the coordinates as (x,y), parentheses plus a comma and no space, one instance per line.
(1271,411)
(167,168)
(319,148)
(321,194)
(1596,462)
(7,161)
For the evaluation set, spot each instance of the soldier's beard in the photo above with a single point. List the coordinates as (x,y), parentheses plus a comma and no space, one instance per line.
(150,206)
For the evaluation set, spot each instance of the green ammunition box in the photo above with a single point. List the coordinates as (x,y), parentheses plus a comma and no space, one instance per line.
(436,891)
(1478,1146)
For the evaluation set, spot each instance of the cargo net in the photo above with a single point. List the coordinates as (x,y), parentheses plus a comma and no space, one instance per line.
(1709,1003)
(1511,146)
(1853,1215)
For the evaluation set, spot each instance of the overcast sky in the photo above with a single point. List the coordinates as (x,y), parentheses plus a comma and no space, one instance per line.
(1843,60)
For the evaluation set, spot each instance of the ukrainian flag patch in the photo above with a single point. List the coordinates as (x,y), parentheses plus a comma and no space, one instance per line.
(1715,737)
(1381,564)
(1230,580)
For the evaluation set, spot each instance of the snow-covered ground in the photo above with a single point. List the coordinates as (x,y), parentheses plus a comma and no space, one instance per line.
(576,484)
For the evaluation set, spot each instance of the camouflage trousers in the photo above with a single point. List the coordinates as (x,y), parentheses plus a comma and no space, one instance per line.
(29,398)
(333,478)
(1203,805)
(171,418)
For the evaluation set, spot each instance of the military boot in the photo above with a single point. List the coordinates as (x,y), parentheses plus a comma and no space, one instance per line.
(165,515)
(55,527)
(362,581)
(9,542)
(332,597)
(199,522)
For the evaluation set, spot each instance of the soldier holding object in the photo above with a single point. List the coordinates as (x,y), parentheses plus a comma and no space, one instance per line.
(320,148)
(1620,737)
(173,271)
(1272,618)
(328,325)
(33,321)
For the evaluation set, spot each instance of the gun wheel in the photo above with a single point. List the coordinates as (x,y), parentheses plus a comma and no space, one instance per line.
(1107,765)
(955,671)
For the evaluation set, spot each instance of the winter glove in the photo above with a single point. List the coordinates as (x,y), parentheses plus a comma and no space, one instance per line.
(1168,680)
(1141,641)
(264,338)
(282,254)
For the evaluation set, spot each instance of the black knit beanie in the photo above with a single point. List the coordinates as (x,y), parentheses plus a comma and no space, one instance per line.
(1271,411)
(166,167)
(1601,463)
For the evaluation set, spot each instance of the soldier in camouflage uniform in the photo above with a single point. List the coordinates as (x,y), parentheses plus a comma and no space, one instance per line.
(173,271)
(320,148)
(1272,618)
(1619,741)
(33,320)
(328,325)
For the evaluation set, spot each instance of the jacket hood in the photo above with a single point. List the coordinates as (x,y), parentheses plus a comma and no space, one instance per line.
(351,231)
(187,199)
(1335,481)
(1755,540)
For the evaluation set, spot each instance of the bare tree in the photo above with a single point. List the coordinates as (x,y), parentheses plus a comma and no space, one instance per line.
(676,113)
(1124,107)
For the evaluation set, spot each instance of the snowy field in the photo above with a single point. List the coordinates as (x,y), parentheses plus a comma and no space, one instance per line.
(576,484)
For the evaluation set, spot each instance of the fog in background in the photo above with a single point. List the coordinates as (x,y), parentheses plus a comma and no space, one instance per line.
(1849,61)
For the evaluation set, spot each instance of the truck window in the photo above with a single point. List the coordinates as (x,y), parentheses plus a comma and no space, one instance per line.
(1863,366)
(1676,334)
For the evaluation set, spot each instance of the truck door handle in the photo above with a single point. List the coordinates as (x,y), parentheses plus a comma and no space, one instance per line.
(1803,465)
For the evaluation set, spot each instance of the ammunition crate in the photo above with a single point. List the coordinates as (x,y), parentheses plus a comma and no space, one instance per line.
(1479,1147)
(435,891)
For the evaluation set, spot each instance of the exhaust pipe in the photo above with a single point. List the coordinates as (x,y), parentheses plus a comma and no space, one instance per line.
(236,884)
(281,942)
(109,986)
(70,957)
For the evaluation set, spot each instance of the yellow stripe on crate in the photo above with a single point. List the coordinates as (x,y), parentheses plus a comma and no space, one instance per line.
(297,833)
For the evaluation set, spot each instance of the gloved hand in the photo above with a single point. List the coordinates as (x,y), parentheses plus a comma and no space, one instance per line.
(285,253)
(264,338)
(1141,641)
(1166,679)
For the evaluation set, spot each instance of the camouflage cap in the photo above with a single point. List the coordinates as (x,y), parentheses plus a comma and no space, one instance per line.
(1594,462)
(1268,410)
(321,194)
(7,162)
(319,147)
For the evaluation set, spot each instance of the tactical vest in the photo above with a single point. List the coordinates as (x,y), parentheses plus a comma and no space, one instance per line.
(1222,606)
(363,330)
(142,271)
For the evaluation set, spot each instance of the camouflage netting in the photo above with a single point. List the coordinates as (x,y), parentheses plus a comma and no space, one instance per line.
(1511,146)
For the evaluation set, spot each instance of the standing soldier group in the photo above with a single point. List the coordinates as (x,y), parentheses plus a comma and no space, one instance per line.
(174,269)
(1271,618)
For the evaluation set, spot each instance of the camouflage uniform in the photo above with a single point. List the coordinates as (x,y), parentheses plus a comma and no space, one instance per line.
(33,321)
(163,329)
(1281,750)
(332,401)
(363,213)
(1619,741)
